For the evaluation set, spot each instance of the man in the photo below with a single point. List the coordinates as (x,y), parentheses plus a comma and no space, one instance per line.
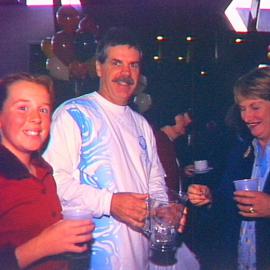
(165,138)
(167,128)
(178,127)
(105,159)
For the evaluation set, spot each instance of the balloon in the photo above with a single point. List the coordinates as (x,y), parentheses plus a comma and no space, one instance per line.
(46,47)
(141,85)
(92,67)
(78,70)
(57,69)
(87,25)
(85,46)
(68,18)
(63,47)
(143,101)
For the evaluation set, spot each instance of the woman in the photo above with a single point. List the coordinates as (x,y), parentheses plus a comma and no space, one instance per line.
(31,229)
(245,215)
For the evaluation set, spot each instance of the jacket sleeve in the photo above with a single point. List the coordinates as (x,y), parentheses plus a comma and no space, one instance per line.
(157,174)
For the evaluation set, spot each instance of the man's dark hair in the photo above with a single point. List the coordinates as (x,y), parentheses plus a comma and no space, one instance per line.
(116,36)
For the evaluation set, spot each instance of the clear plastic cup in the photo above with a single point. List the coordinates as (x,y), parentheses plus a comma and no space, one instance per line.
(78,214)
(246,184)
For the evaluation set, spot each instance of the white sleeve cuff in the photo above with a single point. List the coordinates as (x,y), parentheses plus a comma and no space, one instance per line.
(107,203)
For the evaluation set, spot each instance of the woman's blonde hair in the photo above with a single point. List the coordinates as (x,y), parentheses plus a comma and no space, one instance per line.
(254,84)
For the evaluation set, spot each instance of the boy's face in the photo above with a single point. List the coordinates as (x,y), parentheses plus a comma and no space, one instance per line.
(25,118)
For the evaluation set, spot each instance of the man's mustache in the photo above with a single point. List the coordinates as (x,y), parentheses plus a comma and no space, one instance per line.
(127,80)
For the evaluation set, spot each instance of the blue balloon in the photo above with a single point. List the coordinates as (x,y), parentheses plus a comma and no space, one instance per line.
(85,46)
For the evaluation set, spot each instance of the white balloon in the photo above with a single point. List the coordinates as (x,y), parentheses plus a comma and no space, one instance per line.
(143,101)
(142,84)
(57,69)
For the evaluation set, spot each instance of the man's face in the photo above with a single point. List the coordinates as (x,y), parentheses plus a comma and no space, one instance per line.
(182,121)
(119,74)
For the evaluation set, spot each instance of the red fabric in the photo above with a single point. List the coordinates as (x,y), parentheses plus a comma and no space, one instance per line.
(167,155)
(27,206)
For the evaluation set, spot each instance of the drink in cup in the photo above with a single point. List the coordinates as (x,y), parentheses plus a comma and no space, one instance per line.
(77,214)
(246,184)
(166,210)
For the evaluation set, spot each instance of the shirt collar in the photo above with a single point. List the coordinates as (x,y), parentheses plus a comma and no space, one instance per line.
(12,168)
(258,148)
(109,105)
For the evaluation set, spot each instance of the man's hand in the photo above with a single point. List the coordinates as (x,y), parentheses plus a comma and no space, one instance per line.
(130,208)
(183,221)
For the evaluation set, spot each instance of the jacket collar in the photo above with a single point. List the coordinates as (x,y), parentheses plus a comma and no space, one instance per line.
(12,168)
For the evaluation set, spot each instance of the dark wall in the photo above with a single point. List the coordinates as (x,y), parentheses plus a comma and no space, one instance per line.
(21,26)
(171,83)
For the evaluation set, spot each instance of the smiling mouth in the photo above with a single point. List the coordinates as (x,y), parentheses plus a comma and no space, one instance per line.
(32,132)
(124,81)
(252,125)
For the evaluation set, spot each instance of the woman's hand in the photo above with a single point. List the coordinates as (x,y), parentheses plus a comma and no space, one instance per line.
(199,195)
(60,237)
(253,204)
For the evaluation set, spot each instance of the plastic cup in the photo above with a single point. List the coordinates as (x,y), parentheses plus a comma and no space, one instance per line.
(246,184)
(76,214)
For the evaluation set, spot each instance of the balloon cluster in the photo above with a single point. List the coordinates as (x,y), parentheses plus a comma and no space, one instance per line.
(70,51)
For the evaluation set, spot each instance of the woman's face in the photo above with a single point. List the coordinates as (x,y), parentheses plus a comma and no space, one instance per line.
(25,118)
(256,115)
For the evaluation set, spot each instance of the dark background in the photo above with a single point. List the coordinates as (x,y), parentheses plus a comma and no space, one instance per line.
(171,83)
